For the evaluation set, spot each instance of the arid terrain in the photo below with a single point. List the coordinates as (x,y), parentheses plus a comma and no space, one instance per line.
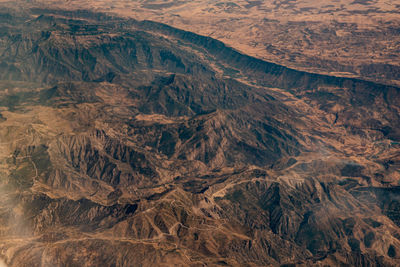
(349,38)
(133,143)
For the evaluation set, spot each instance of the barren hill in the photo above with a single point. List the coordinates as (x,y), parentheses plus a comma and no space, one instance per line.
(348,38)
(133,143)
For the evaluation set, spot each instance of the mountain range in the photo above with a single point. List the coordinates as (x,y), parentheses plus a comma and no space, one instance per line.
(129,142)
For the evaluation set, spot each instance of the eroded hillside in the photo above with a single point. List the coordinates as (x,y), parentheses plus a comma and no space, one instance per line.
(129,143)
(349,38)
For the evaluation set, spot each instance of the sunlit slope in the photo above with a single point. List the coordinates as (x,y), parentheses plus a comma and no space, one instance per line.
(127,143)
(341,38)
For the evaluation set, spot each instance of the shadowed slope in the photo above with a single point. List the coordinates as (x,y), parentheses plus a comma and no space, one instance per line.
(147,145)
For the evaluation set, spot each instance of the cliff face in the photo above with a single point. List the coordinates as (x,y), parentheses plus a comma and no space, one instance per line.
(127,143)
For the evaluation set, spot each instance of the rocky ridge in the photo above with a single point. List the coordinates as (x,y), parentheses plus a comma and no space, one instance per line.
(130,142)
